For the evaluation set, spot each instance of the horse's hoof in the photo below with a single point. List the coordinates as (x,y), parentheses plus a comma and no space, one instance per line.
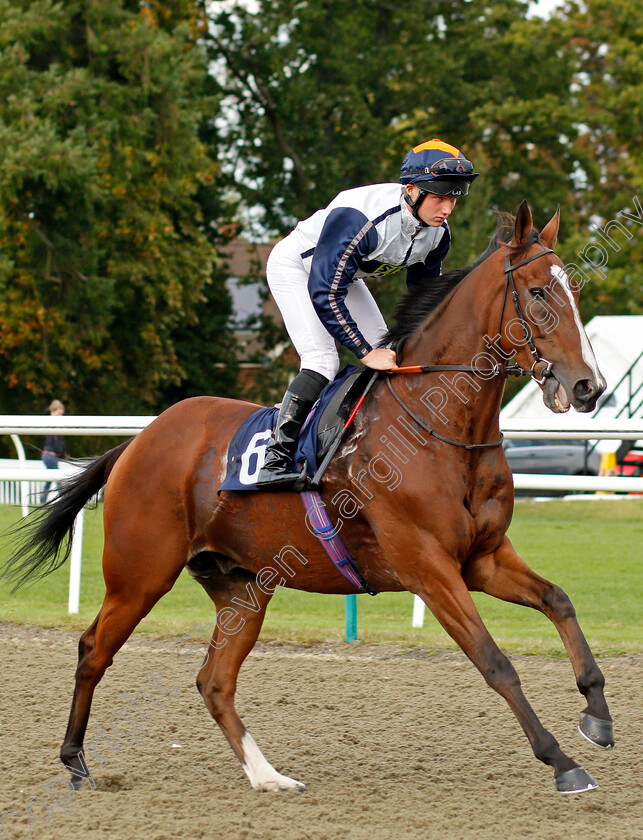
(78,769)
(599,732)
(575,780)
(281,783)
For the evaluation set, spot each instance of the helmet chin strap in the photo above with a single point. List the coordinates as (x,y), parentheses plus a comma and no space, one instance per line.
(414,206)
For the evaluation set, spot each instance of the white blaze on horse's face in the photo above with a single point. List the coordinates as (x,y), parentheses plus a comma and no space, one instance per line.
(261,773)
(559,273)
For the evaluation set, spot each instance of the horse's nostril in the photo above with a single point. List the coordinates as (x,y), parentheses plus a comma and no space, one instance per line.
(585,389)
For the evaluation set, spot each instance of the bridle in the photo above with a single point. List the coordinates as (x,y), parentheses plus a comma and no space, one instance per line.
(516,370)
(498,369)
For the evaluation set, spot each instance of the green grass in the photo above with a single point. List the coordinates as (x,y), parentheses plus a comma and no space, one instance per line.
(593,549)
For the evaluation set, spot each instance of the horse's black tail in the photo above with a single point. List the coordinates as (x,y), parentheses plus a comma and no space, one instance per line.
(44,539)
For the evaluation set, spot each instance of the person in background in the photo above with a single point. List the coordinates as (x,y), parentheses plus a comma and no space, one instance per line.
(54,445)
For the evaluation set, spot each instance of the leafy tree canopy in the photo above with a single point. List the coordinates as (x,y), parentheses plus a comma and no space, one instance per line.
(104,251)
(323,96)
(129,131)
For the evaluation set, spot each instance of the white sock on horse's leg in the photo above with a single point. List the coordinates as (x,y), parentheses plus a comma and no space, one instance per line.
(261,773)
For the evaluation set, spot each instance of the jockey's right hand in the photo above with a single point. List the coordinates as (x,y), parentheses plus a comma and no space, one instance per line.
(382,358)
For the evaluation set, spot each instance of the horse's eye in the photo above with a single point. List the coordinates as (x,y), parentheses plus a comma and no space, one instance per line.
(537,292)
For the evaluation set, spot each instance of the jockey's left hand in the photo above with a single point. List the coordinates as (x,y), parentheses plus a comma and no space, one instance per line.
(382,358)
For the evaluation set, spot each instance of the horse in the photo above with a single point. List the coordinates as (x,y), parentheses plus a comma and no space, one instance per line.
(419,484)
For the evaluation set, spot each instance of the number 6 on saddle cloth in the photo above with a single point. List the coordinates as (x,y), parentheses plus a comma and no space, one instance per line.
(323,428)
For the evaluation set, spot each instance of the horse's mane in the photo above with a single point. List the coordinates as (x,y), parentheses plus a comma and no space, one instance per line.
(415,307)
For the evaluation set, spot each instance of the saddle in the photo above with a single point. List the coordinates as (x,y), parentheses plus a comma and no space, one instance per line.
(337,411)
(321,430)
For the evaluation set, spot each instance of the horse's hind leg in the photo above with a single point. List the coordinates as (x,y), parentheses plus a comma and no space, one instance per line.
(129,597)
(241,607)
(505,575)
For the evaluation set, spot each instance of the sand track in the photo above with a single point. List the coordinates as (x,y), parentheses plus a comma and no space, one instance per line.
(392,744)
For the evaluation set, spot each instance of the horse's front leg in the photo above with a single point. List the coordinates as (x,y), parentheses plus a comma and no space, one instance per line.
(505,575)
(432,573)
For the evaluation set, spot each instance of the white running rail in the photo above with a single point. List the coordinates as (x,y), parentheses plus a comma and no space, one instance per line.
(580,428)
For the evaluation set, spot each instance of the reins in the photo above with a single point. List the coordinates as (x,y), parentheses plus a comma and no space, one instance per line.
(435,434)
(498,369)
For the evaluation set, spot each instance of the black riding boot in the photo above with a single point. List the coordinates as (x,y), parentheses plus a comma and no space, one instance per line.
(277,471)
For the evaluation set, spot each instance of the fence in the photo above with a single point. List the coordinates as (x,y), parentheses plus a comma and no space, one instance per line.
(11,490)
(23,485)
(15,425)
(577,428)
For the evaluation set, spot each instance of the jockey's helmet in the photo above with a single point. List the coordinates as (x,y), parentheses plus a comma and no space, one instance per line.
(439,168)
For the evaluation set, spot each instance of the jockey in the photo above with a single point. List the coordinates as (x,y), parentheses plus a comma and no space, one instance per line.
(316,277)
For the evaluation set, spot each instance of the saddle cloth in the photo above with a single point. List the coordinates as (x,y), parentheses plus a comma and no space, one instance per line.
(247,449)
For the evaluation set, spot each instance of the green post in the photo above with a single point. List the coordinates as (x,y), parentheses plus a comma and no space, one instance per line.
(351,618)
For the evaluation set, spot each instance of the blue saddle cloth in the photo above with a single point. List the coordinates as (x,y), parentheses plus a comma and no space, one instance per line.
(248,447)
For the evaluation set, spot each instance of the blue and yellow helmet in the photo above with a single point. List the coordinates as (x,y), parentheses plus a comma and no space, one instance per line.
(437,167)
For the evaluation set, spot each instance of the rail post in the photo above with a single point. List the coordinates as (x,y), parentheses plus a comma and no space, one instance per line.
(351,617)
(75,564)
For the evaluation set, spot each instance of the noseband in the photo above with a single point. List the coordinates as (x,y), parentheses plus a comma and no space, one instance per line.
(498,369)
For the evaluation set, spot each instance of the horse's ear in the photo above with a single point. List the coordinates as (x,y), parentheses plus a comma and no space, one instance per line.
(523,224)
(549,234)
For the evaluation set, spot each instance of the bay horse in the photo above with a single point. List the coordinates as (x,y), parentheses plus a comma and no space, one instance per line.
(420,485)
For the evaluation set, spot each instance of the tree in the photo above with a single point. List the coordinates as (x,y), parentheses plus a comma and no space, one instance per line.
(606,40)
(315,114)
(105,252)
(319,97)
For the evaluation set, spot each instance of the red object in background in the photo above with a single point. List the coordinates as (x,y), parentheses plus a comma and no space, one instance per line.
(632,464)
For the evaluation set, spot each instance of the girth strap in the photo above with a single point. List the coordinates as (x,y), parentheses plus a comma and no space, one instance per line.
(333,545)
